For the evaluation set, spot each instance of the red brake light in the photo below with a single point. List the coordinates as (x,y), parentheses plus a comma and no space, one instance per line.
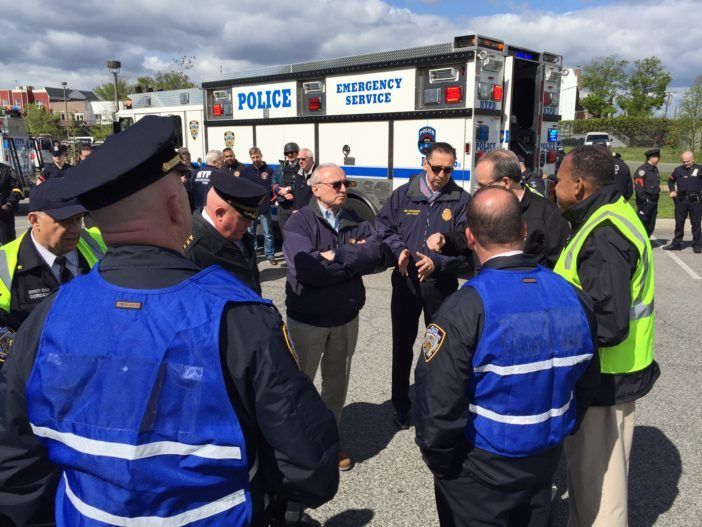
(467,150)
(314,104)
(497,92)
(216,109)
(453,94)
(551,156)
(547,99)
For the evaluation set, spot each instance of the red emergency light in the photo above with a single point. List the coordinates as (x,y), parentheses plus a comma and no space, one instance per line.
(497,92)
(453,94)
(216,109)
(547,99)
(314,104)
(551,156)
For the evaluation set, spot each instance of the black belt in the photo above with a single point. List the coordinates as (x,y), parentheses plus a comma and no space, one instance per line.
(691,197)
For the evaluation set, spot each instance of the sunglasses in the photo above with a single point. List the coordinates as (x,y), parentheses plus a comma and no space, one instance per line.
(336,185)
(291,154)
(302,158)
(438,169)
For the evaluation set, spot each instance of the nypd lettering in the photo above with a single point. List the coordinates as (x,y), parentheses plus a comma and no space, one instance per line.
(488,105)
(378,91)
(549,110)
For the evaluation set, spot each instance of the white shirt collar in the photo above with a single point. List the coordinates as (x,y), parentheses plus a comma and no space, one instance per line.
(207,218)
(50,258)
(506,253)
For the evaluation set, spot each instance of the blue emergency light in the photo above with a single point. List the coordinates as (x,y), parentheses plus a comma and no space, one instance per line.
(553,135)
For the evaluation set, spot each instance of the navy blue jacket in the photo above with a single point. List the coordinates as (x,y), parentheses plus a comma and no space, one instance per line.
(263,176)
(407,220)
(200,184)
(302,192)
(319,292)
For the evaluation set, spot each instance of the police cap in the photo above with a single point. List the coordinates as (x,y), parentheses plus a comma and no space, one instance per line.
(245,196)
(58,150)
(42,199)
(291,147)
(126,163)
(653,152)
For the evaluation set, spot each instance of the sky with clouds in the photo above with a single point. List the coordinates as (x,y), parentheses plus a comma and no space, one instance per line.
(73,39)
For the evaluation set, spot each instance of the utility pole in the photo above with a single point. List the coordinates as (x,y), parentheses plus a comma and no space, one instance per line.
(668,100)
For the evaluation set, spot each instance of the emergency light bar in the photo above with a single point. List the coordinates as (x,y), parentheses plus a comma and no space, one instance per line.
(443,75)
(468,41)
(491,64)
(313,87)
(553,59)
(221,95)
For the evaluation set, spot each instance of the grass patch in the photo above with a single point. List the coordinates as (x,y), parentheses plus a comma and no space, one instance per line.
(666,206)
(636,154)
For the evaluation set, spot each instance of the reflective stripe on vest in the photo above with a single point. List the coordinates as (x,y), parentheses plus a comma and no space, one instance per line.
(535,345)
(636,352)
(170,451)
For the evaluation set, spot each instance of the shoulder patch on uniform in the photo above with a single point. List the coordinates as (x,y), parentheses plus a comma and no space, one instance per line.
(446,214)
(642,172)
(433,339)
(290,346)
(188,241)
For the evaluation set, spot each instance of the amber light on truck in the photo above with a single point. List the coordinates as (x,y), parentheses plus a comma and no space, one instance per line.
(453,94)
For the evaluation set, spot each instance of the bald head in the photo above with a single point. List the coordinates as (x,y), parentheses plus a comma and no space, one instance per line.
(228,221)
(494,219)
(687,158)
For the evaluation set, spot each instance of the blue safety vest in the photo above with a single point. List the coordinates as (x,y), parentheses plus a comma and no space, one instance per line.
(535,345)
(128,396)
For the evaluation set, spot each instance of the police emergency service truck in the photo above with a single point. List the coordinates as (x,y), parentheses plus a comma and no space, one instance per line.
(377,114)
(185,105)
(16,149)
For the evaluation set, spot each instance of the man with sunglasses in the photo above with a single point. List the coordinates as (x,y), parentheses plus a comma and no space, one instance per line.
(328,249)
(431,202)
(302,191)
(283,184)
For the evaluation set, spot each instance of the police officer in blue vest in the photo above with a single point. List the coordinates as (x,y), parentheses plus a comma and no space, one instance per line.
(507,369)
(181,400)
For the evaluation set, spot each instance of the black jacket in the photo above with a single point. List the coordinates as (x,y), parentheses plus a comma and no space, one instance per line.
(647,183)
(262,176)
(52,171)
(622,178)
(235,169)
(686,180)
(547,231)
(606,264)
(441,400)
(302,192)
(208,247)
(288,430)
(10,196)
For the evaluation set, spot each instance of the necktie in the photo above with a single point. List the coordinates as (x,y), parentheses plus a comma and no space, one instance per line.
(65,273)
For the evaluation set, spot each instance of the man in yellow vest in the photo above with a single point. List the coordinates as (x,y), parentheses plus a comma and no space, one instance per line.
(54,249)
(609,257)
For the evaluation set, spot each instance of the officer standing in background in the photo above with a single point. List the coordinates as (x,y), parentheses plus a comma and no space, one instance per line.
(685,185)
(494,398)
(531,180)
(547,231)
(431,202)
(302,190)
(54,250)
(220,234)
(648,188)
(283,184)
(10,196)
(200,179)
(609,257)
(181,399)
(58,168)
(260,173)
(622,173)
(231,164)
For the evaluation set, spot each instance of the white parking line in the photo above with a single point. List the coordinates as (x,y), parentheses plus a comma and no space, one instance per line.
(682,264)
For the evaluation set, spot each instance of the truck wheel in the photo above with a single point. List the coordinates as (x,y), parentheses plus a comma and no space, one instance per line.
(361,209)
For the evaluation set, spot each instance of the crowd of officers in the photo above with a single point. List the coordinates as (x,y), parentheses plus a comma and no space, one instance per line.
(187,399)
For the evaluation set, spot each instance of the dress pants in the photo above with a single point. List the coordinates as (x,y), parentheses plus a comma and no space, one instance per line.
(283,216)
(648,210)
(409,299)
(333,347)
(682,209)
(598,467)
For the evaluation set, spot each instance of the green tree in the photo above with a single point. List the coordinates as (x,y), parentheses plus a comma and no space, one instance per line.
(688,126)
(601,80)
(107,91)
(644,88)
(42,122)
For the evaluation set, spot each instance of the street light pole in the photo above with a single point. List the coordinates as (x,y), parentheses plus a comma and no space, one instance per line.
(65,106)
(113,67)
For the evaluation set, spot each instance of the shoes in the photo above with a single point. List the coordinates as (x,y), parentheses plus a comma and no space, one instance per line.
(345,462)
(672,247)
(698,250)
(401,420)
(272,261)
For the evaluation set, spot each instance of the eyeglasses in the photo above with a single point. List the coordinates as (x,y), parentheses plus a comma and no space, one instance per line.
(336,185)
(438,169)
(302,158)
(289,154)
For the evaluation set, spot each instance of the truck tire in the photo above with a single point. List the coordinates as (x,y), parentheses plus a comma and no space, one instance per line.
(364,211)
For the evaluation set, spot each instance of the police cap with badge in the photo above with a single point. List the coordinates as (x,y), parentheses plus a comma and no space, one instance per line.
(58,151)
(126,163)
(653,152)
(245,196)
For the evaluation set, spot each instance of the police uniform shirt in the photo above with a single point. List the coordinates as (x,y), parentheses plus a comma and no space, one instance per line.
(441,401)
(646,182)
(268,400)
(53,171)
(50,258)
(686,179)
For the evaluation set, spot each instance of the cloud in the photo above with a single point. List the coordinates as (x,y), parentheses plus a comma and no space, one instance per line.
(74,43)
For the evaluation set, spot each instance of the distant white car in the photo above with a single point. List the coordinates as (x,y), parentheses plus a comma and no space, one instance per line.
(597,137)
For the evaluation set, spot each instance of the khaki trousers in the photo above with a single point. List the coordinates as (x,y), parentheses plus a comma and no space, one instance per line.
(598,467)
(334,348)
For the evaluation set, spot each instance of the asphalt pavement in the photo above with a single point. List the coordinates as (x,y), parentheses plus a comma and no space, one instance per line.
(390,485)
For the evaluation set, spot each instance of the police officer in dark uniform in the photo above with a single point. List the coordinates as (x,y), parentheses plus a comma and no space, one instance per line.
(59,167)
(685,185)
(220,235)
(231,164)
(622,173)
(181,399)
(494,398)
(302,190)
(283,184)
(260,173)
(431,202)
(10,196)
(648,189)
(200,179)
